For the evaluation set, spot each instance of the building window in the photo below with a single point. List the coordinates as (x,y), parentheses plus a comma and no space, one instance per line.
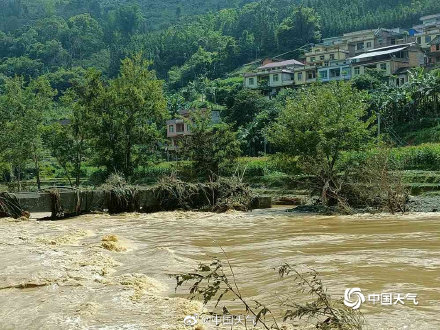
(300,76)
(437,47)
(335,73)
(171,128)
(383,66)
(313,59)
(322,57)
(251,81)
(323,74)
(419,40)
(369,44)
(428,39)
(393,41)
(357,70)
(311,75)
(180,128)
(345,71)
(332,56)
(360,46)
(275,77)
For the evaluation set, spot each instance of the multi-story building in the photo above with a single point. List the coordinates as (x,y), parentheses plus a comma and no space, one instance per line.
(361,41)
(334,71)
(427,31)
(433,56)
(393,51)
(305,75)
(391,60)
(331,49)
(272,75)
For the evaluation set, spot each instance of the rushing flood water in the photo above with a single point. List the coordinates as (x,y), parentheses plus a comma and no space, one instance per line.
(58,275)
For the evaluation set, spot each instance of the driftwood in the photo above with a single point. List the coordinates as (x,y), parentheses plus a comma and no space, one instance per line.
(10,207)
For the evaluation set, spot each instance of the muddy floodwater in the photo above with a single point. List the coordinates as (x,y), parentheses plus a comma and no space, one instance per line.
(101,271)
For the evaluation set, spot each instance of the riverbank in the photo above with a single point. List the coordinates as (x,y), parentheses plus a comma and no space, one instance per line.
(64,275)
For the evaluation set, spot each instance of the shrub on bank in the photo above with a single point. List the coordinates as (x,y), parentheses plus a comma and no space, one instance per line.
(425,157)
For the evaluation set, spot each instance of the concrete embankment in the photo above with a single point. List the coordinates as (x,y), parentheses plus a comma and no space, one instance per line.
(74,202)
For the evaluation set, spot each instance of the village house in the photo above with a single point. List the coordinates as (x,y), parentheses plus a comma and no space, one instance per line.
(181,126)
(330,50)
(426,32)
(334,71)
(272,75)
(393,51)
(305,75)
(359,42)
(433,55)
(390,60)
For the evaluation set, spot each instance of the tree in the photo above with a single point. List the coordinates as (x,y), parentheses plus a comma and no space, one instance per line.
(84,37)
(301,27)
(318,125)
(69,143)
(22,109)
(213,148)
(371,80)
(247,105)
(128,114)
(21,66)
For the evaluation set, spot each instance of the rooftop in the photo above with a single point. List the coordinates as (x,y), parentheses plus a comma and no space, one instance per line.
(382,51)
(280,64)
(425,18)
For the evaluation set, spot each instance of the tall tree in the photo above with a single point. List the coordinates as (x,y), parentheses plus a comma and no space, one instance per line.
(22,109)
(301,27)
(318,125)
(128,113)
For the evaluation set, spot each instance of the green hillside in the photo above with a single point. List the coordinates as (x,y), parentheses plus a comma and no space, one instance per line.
(184,39)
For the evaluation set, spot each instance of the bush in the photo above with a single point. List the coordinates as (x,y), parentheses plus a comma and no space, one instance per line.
(152,174)
(424,157)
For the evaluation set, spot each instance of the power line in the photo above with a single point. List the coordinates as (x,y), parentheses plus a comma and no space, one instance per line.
(290,51)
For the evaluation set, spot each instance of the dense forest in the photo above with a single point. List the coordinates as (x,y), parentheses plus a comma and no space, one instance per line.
(183,39)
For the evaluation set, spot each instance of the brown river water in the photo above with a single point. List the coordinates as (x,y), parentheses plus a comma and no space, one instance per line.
(58,275)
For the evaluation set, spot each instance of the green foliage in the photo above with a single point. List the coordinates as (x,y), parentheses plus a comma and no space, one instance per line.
(411,107)
(216,282)
(22,108)
(371,80)
(299,28)
(212,148)
(423,157)
(321,122)
(127,115)
(318,125)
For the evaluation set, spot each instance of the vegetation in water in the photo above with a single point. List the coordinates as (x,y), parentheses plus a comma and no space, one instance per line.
(217,283)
